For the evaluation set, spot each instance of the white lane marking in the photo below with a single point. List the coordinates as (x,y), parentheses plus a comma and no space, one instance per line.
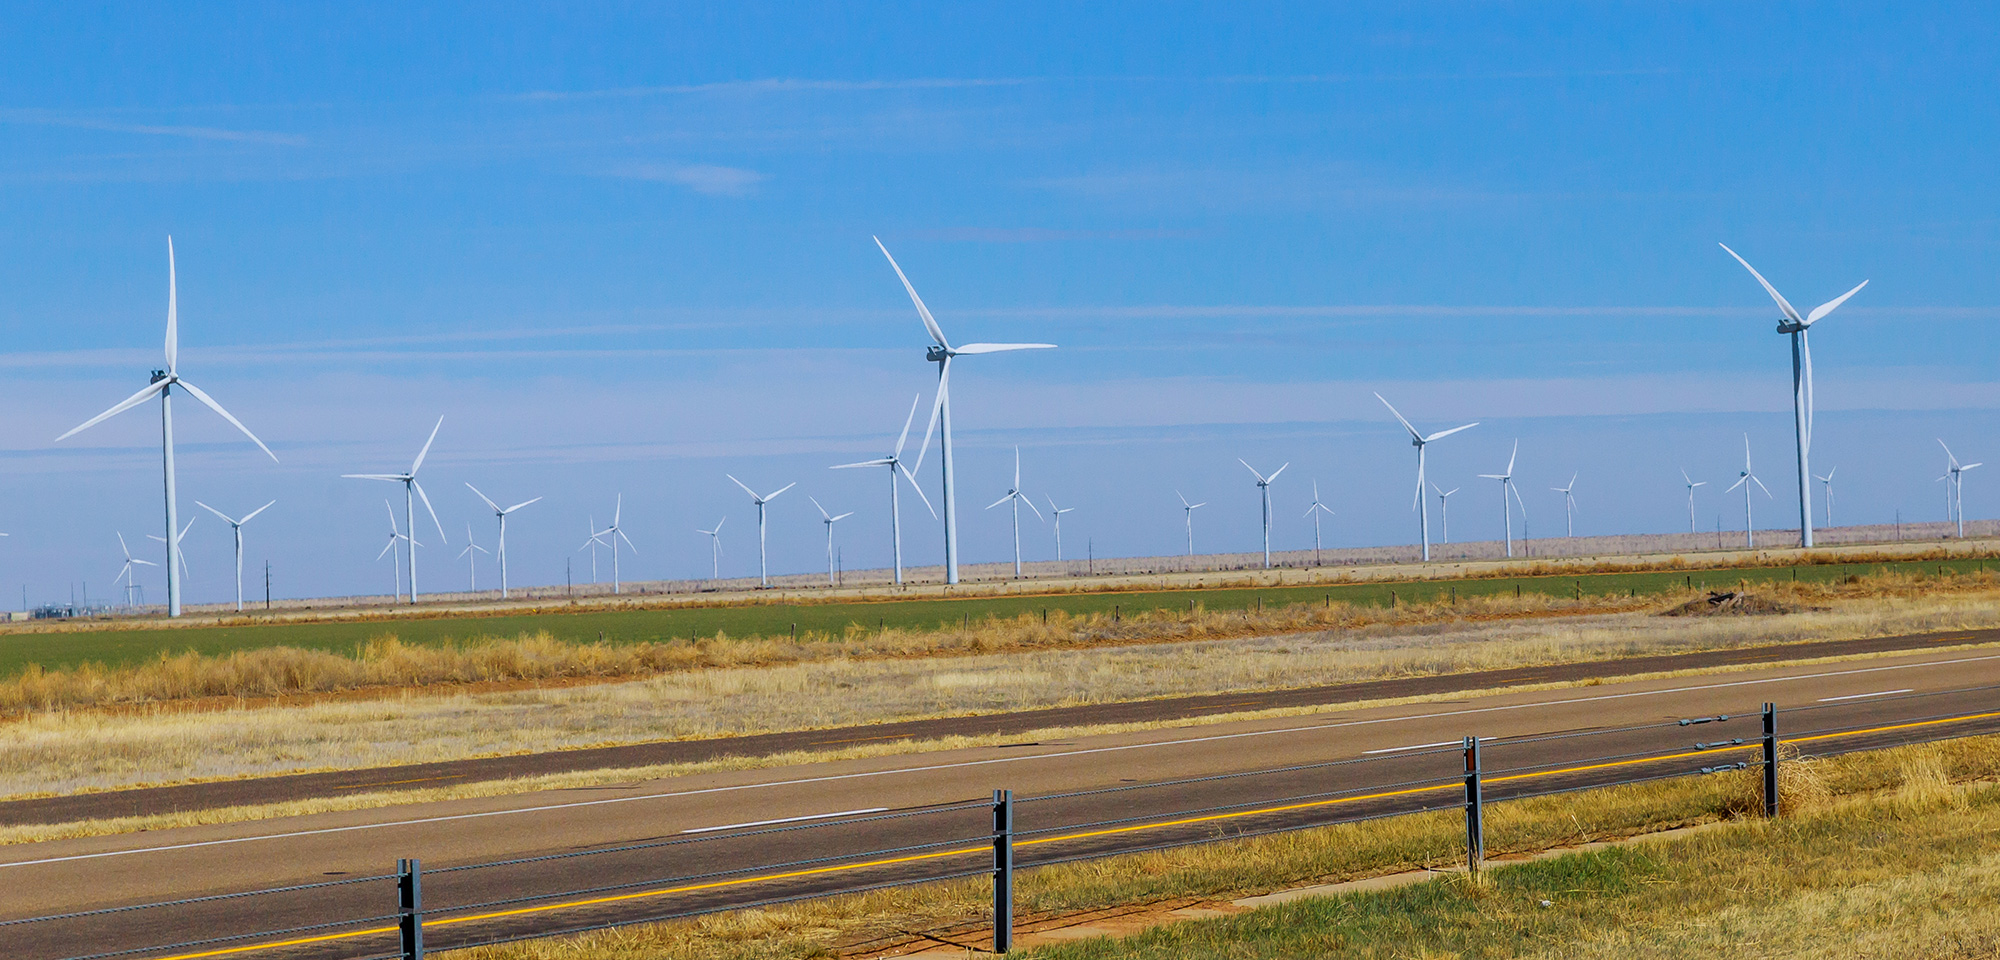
(1858,696)
(768,823)
(1018,758)
(1415,746)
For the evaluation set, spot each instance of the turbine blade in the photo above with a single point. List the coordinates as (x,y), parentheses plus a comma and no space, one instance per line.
(1000,347)
(1971,465)
(912,418)
(883,462)
(173,313)
(1761,486)
(732,479)
(388,546)
(1031,506)
(841,517)
(394,477)
(617,510)
(484,497)
(224,516)
(719,523)
(930,322)
(426,451)
(210,403)
(1441,434)
(1253,470)
(1274,473)
(519,505)
(247,516)
(999,501)
(1738,483)
(1512,457)
(815,502)
(1783,304)
(937,407)
(123,405)
(432,511)
(774,494)
(1828,307)
(1197,506)
(1399,418)
(628,541)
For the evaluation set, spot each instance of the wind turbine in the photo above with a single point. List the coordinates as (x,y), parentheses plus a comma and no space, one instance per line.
(941,353)
(126,572)
(1828,481)
(1569,506)
(1264,490)
(1955,472)
(894,461)
(395,535)
(1056,514)
(177,542)
(1744,480)
(472,562)
(829,520)
(237,527)
(591,545)
(1507,487)
(500,547)
(1802,385)
(715,549)
(1314,511)
(412,491)
(1444,512)
(611,535)
(1189,509)
(763,572)
(1691,484)
(163,384)
(1014,494)
(1420,441)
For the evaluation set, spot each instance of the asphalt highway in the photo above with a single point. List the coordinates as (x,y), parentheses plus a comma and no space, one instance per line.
(667,847)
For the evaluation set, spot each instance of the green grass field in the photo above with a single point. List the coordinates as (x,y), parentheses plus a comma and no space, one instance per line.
(115,647)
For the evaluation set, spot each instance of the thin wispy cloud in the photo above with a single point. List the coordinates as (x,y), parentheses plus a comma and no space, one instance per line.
(709,179)
(775,85)
(50,118)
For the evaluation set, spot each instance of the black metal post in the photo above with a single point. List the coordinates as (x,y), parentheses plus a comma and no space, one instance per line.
(1770,760)
(1003,870)
(1475,812)
(410,902)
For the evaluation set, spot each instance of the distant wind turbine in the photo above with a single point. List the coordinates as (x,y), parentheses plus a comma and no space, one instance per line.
(471,559)
(611,535)
(1828,482)
(1056,515)
(1506,488)
(1444,512)
(237,527)
(829,520)
(412,491)
(941,353)
(1189,509)
(1314,511)
(183,535)
(500,548)
(1264,492)
(894,461)
(763,571)
(1014,494)
(1802,383)
(1744,480)
(1569,505)
(163,383)
(1955,488)
(126,572)
(715,549)
(396,554)
(591,545)
(1420,441)
(1691,484)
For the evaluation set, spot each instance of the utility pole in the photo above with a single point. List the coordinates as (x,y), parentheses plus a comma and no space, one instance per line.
(267,584)
(565,576)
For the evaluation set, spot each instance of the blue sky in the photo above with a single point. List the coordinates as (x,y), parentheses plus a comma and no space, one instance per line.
(626,249)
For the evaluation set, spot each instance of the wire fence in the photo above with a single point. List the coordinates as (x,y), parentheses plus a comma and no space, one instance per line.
(783,860)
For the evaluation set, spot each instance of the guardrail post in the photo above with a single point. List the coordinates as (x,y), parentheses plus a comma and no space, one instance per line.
(1475,809)
(1003,870)
(410,903)
(1770,760)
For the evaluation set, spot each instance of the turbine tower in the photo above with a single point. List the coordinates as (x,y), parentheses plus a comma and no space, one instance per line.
(1802,385)
(237,527)
(763,571)
(1506,488)
(1264,491)
(1569,506)
(611,535)
(1444,512)
(126,572)
(894,461)
(829,520)
(1056,514)
(1189,509)
(1014,494)
(1314,511)
(471,560)
(1691,484)
(941,352)
(715,549)
(1955,488)
(1828,482)
(1420,441)
(412,492)
(500,547)
(163,383)
(1744,480)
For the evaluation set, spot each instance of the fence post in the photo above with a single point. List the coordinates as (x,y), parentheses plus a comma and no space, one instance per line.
(410,903)
(1770,760)
(1475,812)
(1003,870)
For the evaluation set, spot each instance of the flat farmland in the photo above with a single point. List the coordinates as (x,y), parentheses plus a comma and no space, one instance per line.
(117,645)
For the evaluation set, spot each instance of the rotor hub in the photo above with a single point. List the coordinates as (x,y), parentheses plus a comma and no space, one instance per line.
(1789,326)
(936,354)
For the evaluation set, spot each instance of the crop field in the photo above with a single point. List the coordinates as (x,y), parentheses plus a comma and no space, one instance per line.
(116,647)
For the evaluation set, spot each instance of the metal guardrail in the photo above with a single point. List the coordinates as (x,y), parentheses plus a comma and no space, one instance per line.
(994,852)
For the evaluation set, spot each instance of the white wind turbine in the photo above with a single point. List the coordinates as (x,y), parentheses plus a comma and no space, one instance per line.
(1955,488)
(126,572)
(1744,480)
(715,549)
(1691,484)
(1014,494)
(1827,481)
(1189,509)
(1264,493)
(894,461)
(1506,488)
(941,353)
(1055,514)
(471,560)
(1420,441)
(829,520)
(397,557)
(163,383)
(1314,511)
(591,545)
(1802,384)
(611,535)
(1569,506)
(237,527)
(182,554)
(412,492)
(1444,512)
(500,548)
(763,571)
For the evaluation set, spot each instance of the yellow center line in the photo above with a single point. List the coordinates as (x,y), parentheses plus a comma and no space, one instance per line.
(1110,831)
